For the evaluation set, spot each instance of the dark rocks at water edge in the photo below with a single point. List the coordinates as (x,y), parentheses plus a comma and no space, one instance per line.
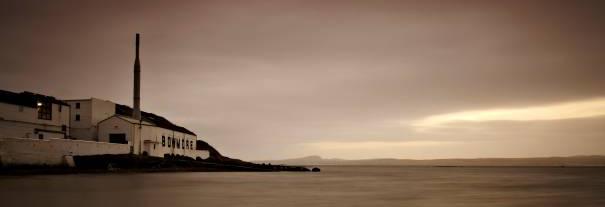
(135,163)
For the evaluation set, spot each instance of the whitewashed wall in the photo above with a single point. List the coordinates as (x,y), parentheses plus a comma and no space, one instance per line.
(154,134)
(23,151)
(115,125)
(91,112)
(84,111)
(101,110)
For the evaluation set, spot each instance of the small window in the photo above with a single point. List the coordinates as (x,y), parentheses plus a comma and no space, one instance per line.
(183,145)
(163,141)
(187,147)
(173,143)
(77,105)
(40,136)
(77,117)
(178,143)
(169,142)
(63,128)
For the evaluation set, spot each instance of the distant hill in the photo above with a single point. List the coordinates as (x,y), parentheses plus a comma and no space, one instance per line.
(574,161)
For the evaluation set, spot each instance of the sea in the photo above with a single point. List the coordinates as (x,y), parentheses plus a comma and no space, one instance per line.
(333,186)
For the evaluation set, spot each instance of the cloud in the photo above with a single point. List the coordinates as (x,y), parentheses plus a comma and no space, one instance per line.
(558,111)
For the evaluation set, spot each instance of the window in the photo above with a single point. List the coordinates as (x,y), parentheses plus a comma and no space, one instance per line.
(183,145)
(77,117)
(45,111)
(118,138)
(178,143)
(63,128)
(77,105)
(187,145)
(169,142)
(163,141)
(173,143)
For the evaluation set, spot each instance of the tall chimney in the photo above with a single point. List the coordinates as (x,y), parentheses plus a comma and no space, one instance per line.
(136,112)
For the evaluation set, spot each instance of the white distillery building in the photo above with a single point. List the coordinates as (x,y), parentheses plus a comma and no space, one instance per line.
(146,133)
(38,129)
(29,115)
(105,121)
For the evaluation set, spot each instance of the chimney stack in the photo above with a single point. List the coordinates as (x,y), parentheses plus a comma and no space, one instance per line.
(136,112)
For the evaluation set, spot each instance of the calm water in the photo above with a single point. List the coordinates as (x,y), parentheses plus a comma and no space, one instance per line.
(334,186)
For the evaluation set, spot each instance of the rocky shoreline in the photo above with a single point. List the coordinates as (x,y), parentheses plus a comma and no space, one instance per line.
(135,164)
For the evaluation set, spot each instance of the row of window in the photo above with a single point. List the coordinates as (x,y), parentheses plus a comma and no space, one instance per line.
(178,143)
(45,110)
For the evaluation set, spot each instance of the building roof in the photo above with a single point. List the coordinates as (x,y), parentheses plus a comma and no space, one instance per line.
(156,120)
(26,98)
(129,120)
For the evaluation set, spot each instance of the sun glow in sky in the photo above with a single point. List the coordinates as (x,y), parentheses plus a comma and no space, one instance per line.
(567,110)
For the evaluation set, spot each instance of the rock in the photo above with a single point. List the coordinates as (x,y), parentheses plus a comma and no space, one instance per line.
(315,169)
(111,166)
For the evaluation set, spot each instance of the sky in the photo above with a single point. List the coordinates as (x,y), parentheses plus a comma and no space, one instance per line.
(340,79)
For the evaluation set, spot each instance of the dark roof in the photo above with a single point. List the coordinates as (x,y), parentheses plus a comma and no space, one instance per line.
(152,118)
(26,98)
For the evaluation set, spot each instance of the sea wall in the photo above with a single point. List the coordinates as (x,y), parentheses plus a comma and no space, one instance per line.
(25,151)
